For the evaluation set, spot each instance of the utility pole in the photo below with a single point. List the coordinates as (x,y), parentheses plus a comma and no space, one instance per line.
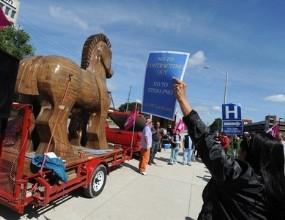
(226,81)
(111,97)
(127,108)
(226,88)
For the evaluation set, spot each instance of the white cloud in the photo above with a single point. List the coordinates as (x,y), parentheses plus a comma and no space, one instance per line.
(67,17)
(141,15)
(202,108)
(276,98)
(217,108)
(208,109)
(197,59)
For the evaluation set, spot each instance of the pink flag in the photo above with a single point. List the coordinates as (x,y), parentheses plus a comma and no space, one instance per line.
(130,122)
(180,126)
(274,131)
(3,20)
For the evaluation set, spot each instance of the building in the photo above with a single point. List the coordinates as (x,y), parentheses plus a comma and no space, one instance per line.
(269,121)
(11,9)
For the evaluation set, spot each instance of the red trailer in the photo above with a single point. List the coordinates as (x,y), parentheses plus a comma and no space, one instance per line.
(19,186)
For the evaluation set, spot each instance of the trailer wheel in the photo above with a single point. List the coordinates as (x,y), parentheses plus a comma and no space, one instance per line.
(97,183)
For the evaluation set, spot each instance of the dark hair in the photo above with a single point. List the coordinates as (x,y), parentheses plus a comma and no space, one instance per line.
(266,157)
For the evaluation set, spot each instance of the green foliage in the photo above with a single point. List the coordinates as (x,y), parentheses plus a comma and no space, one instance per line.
(130,106)
(15,42)
(216,126)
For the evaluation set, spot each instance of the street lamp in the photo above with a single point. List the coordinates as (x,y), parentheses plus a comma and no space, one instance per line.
(226,88)
(226,81)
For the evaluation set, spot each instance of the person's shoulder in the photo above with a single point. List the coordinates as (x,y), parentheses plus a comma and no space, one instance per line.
(149,128)
(247,172)
(146,128)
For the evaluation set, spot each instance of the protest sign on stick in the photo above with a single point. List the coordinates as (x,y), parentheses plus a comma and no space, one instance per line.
(162,67)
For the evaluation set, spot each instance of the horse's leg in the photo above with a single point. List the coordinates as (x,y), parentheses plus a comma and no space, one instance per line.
(84,124)
(42,126)
(52,121)
(58,127)
(96,131)
(74,128)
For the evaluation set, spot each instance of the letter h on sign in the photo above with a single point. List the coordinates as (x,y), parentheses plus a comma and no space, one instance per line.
(231,112)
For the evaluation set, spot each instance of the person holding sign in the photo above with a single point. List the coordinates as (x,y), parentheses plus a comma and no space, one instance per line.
(253,188)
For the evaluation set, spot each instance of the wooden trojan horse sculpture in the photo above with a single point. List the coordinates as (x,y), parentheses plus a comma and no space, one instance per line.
(62,85)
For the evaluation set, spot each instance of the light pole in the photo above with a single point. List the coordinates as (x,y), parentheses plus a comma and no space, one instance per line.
(226,88)
(226,81)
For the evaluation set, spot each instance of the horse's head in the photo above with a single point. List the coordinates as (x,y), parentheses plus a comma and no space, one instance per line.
(97,51)
(104,55)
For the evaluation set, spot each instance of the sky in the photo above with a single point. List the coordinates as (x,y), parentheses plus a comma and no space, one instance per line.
(244,39)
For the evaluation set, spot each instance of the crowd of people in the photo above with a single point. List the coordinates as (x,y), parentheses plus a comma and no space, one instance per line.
(251,186)
(156,138)
(248,175)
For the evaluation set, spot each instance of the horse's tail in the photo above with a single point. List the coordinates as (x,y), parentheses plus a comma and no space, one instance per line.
(27,76)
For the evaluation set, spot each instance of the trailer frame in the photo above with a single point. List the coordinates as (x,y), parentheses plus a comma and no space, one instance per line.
(19,187)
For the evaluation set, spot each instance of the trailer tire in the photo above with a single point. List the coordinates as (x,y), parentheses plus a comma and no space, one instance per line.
(97,183)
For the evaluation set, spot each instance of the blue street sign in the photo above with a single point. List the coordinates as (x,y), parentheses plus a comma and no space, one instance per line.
(232,123)
(231,112)
(233,127)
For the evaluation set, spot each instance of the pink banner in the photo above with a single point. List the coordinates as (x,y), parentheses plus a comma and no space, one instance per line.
(274,131)
(131,120)
(180,126)
(4,22)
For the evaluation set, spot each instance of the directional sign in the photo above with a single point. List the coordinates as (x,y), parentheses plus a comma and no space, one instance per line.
(233,130)
(233,127)
(232,123)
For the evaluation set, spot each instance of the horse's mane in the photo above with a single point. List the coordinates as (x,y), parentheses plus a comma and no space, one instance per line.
(89,47)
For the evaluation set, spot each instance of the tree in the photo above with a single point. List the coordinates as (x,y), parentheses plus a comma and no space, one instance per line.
(16,42)
(131,106)
(216,126)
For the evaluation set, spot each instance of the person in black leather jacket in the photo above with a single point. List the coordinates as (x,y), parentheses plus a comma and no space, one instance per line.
(252,188)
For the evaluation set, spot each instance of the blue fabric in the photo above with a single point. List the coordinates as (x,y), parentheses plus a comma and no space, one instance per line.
(174,153)
(187,155)
(54,164)
(166,146)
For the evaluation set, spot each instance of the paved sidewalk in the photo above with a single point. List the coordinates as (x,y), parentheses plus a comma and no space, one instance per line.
(165,193)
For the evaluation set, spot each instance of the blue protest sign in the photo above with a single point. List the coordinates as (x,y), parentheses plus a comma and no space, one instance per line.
(162,67)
